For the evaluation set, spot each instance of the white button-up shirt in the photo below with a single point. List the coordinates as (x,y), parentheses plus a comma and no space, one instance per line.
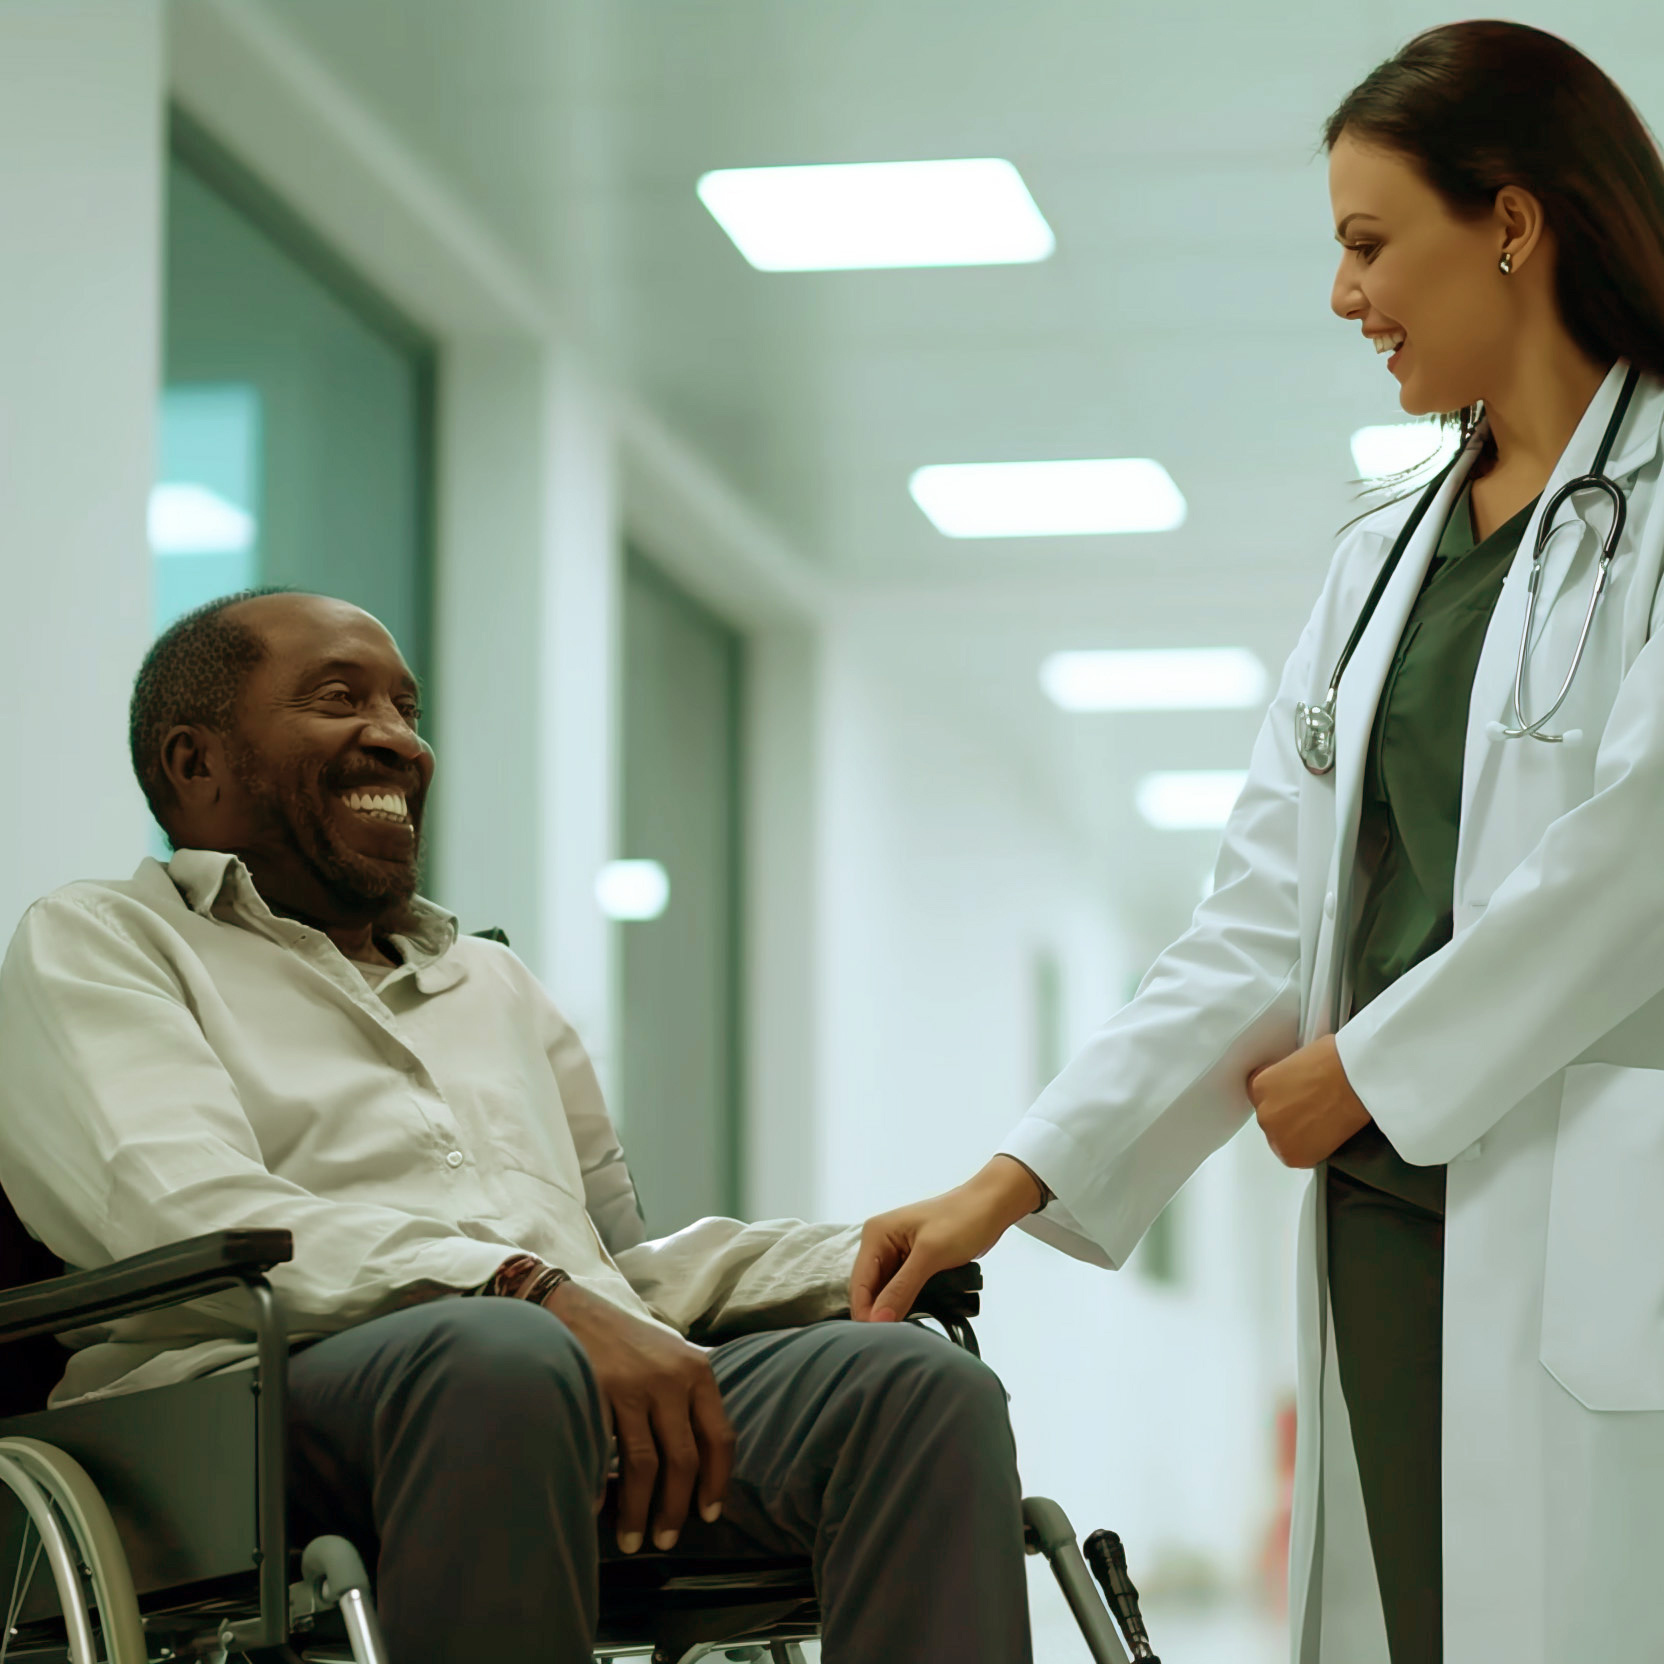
(175,1058)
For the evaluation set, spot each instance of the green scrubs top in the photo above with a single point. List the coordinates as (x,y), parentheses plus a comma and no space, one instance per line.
(1385,1217)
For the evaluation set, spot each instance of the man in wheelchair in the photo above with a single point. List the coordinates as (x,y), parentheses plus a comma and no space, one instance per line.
(274,1030)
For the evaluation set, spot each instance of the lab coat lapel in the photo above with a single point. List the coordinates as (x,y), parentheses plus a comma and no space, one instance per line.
(1588,513)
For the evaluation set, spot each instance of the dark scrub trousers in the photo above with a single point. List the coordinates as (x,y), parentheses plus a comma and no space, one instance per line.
(1385,1217)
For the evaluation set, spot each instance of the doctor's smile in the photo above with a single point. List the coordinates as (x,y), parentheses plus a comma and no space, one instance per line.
(1430,968)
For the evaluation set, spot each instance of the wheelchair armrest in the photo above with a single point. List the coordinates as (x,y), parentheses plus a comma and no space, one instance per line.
(951,1295)
(951,1299)
(164,1277)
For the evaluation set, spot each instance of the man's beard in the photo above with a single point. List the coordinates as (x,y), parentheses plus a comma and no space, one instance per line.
(377,889)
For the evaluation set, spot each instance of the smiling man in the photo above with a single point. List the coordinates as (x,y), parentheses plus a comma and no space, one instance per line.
(275,1029)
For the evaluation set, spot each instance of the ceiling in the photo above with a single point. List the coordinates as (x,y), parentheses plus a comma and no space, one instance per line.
(1171,144)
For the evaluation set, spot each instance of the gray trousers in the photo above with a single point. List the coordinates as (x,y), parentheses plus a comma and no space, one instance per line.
(460,1444)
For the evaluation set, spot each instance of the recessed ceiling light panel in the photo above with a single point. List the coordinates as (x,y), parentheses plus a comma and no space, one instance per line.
(865,215)
(1048,499)
(1155,679)
(1190,800)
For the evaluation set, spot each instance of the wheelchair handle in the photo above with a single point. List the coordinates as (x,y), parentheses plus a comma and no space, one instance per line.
(332,1574)
(331,1565)
(1107,1557)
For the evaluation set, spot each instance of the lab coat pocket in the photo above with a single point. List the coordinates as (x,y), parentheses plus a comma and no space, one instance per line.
(1603,1286)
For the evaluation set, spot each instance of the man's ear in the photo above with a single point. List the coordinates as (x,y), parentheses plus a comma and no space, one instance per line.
(195,766)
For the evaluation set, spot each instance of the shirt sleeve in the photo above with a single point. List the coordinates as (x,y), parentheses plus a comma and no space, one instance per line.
(716,1278)
(121,1131)
(609,1191)
(1569,946)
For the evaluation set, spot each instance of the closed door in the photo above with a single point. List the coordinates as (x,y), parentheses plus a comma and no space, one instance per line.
(679,1089)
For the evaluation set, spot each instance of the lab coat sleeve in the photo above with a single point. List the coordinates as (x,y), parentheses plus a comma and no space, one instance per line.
(1569,945)
(1161,1085)
(121,1131)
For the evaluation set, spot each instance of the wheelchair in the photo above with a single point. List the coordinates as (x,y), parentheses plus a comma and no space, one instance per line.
(160,1514)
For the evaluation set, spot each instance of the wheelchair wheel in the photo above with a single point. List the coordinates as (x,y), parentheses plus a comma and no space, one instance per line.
(70,1529)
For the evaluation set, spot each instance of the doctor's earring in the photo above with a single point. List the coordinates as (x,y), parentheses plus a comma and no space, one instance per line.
(1506,264)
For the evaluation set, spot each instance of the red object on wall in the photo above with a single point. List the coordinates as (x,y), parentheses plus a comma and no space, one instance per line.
(1274,1554)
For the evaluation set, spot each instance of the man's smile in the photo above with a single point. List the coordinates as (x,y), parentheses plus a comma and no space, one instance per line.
(389,807)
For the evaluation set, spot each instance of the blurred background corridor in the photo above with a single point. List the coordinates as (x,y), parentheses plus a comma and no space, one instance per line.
(753,737)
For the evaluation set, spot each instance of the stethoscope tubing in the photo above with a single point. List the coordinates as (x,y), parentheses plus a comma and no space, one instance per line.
(1384,577)
(1595,480)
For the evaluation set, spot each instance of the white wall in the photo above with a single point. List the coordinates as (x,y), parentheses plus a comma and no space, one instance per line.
(81,131)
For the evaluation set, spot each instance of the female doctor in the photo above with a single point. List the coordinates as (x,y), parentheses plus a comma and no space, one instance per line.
(1432,967)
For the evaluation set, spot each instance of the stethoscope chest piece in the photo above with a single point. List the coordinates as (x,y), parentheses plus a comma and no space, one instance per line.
(1314,735)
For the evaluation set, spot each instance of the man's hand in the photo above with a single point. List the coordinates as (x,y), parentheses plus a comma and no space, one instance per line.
(667,1414)
(902,1250)
(1305,1104)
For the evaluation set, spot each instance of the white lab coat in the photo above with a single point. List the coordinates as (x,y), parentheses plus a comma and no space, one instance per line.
(1528,1053)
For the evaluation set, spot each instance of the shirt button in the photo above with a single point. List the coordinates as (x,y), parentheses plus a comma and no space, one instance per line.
(1329,905)
(454,1159)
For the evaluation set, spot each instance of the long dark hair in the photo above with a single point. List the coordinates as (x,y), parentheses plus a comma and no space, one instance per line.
(1477,106)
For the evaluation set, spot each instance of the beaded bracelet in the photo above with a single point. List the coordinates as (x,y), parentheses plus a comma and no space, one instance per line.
(525,1277)
(545,1285)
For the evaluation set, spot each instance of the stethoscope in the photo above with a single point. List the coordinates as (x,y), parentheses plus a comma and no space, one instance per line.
(1314,725)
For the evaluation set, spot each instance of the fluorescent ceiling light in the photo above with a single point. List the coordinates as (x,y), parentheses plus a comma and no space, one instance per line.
(845,216)
(192,520)
(1190,800)
(1159,679)
(1048,499)
(1392,447)
(632,889)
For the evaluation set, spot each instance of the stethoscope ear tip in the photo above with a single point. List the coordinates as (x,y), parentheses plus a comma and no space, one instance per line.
(1495,732)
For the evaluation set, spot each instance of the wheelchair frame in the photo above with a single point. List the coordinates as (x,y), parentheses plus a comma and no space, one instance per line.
(189,1579)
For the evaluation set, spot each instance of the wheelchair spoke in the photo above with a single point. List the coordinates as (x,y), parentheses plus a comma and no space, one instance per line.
(19,1593)
(23,1580)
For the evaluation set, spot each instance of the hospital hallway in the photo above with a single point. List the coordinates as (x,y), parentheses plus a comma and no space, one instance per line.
(847,477)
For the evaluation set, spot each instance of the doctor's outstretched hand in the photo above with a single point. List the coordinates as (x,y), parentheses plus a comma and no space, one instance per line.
(1305,1104)
(903,1249)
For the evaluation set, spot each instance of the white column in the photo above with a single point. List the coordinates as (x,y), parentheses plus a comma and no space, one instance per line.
(488,582)
(81,123)
(580,691)
(527,675)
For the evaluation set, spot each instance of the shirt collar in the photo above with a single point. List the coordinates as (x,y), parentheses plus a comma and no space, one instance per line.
(219,886)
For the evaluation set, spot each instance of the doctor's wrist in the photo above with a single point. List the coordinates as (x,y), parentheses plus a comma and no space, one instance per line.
(1011,1189)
